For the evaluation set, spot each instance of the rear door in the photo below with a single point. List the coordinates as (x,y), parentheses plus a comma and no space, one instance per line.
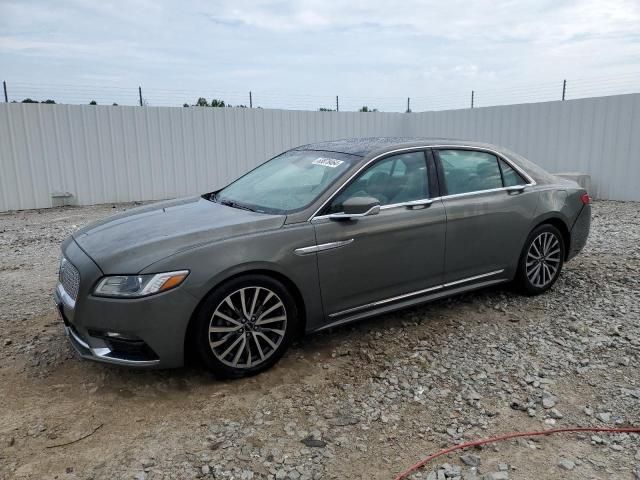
(399,251)
(489,208)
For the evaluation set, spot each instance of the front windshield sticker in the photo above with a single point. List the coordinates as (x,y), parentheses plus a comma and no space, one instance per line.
(328,162)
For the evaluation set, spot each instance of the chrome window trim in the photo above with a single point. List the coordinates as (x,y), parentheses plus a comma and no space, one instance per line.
(517,168)
(413,294)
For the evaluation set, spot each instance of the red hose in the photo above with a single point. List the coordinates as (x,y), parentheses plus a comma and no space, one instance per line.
(508,436)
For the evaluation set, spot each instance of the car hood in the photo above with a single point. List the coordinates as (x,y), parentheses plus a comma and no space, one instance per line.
(130,241)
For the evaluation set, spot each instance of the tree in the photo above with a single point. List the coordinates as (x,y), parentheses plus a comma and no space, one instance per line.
(29,100)
(323,109)
(217,103)
(93,102)
(364,109)
(49,101)
(202,102)
(115,104)
(185,105)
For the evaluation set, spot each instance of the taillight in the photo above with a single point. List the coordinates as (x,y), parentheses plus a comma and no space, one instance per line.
(586,199)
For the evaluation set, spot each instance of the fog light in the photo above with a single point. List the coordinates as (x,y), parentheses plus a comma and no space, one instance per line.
(114,336)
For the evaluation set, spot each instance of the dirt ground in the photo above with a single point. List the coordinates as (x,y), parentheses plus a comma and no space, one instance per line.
(360,402)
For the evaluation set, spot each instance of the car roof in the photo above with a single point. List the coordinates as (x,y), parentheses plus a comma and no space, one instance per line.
(364,146)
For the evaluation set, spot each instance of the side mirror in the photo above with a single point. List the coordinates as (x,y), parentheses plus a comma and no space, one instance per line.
(357,207)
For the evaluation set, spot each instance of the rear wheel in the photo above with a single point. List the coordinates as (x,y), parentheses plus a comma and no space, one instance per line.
(541,260)
(245,326)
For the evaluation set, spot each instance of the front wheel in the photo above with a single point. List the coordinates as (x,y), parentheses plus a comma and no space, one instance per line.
(541,260)
(245,326)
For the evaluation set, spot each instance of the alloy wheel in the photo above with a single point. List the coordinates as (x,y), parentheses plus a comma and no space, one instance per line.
(247,327)
(543,259)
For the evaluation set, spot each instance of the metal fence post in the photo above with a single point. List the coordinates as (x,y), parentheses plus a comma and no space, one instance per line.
(472,92)
(408,105)
(250,100)
(337,104)
(564,89)
(6,97)
(140,94)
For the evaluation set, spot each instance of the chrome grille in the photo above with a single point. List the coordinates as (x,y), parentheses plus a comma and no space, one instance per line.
(69,277)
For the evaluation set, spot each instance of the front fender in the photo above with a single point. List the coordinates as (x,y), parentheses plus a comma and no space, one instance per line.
(273,251)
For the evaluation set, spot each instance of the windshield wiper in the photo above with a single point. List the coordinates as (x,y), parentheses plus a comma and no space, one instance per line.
(231,203)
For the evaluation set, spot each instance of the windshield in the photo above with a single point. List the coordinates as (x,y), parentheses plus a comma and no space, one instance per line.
(286,183)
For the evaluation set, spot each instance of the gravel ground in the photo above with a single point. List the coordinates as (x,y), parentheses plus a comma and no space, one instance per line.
(360,402)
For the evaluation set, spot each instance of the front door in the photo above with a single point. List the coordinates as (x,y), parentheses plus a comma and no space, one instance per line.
(399,251)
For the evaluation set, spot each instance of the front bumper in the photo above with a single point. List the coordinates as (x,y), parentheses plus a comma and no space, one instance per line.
(146,332)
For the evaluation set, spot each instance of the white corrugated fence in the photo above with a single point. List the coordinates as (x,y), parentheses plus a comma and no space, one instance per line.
(101,154)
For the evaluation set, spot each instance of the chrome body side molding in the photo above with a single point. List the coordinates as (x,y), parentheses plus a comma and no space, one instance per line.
(322,247)
(413,294)
(471,279)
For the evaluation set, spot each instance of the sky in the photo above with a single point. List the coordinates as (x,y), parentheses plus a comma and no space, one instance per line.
(301,54)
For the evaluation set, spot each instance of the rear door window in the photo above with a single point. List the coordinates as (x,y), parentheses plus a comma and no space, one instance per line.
(468,171)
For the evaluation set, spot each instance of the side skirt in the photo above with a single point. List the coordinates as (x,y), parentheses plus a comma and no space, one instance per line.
(416,300)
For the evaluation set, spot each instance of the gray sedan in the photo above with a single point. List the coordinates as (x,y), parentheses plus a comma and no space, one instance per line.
(319,236)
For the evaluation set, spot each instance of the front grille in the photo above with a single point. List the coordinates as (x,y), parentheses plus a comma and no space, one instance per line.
(69,277)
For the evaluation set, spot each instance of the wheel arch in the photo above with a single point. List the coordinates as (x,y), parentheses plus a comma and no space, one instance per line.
(258,270)
(561,225)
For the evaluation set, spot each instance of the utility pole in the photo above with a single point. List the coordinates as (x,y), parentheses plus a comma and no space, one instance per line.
(472,92)
(6,98)
(337,104)
(408,105)
(140,94)
(250,100)
(564,89)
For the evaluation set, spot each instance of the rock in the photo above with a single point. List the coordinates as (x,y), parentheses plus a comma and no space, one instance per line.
(497,476)
(205,470)
(470,460)
(343,421)
(7,342)
(604,417)
(548,400)
(471,395)
(566,464)
(12,440)
(313,442)
(554,413)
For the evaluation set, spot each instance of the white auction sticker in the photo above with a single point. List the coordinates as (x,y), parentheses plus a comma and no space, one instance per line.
(327,162)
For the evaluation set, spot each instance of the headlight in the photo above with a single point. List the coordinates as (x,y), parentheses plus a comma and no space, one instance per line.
(139,285)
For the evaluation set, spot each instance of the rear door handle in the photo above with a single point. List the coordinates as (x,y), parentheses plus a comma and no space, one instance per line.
(419,203)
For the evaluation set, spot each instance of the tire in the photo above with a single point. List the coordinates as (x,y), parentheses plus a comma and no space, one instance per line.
(541,260)
(235,339)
